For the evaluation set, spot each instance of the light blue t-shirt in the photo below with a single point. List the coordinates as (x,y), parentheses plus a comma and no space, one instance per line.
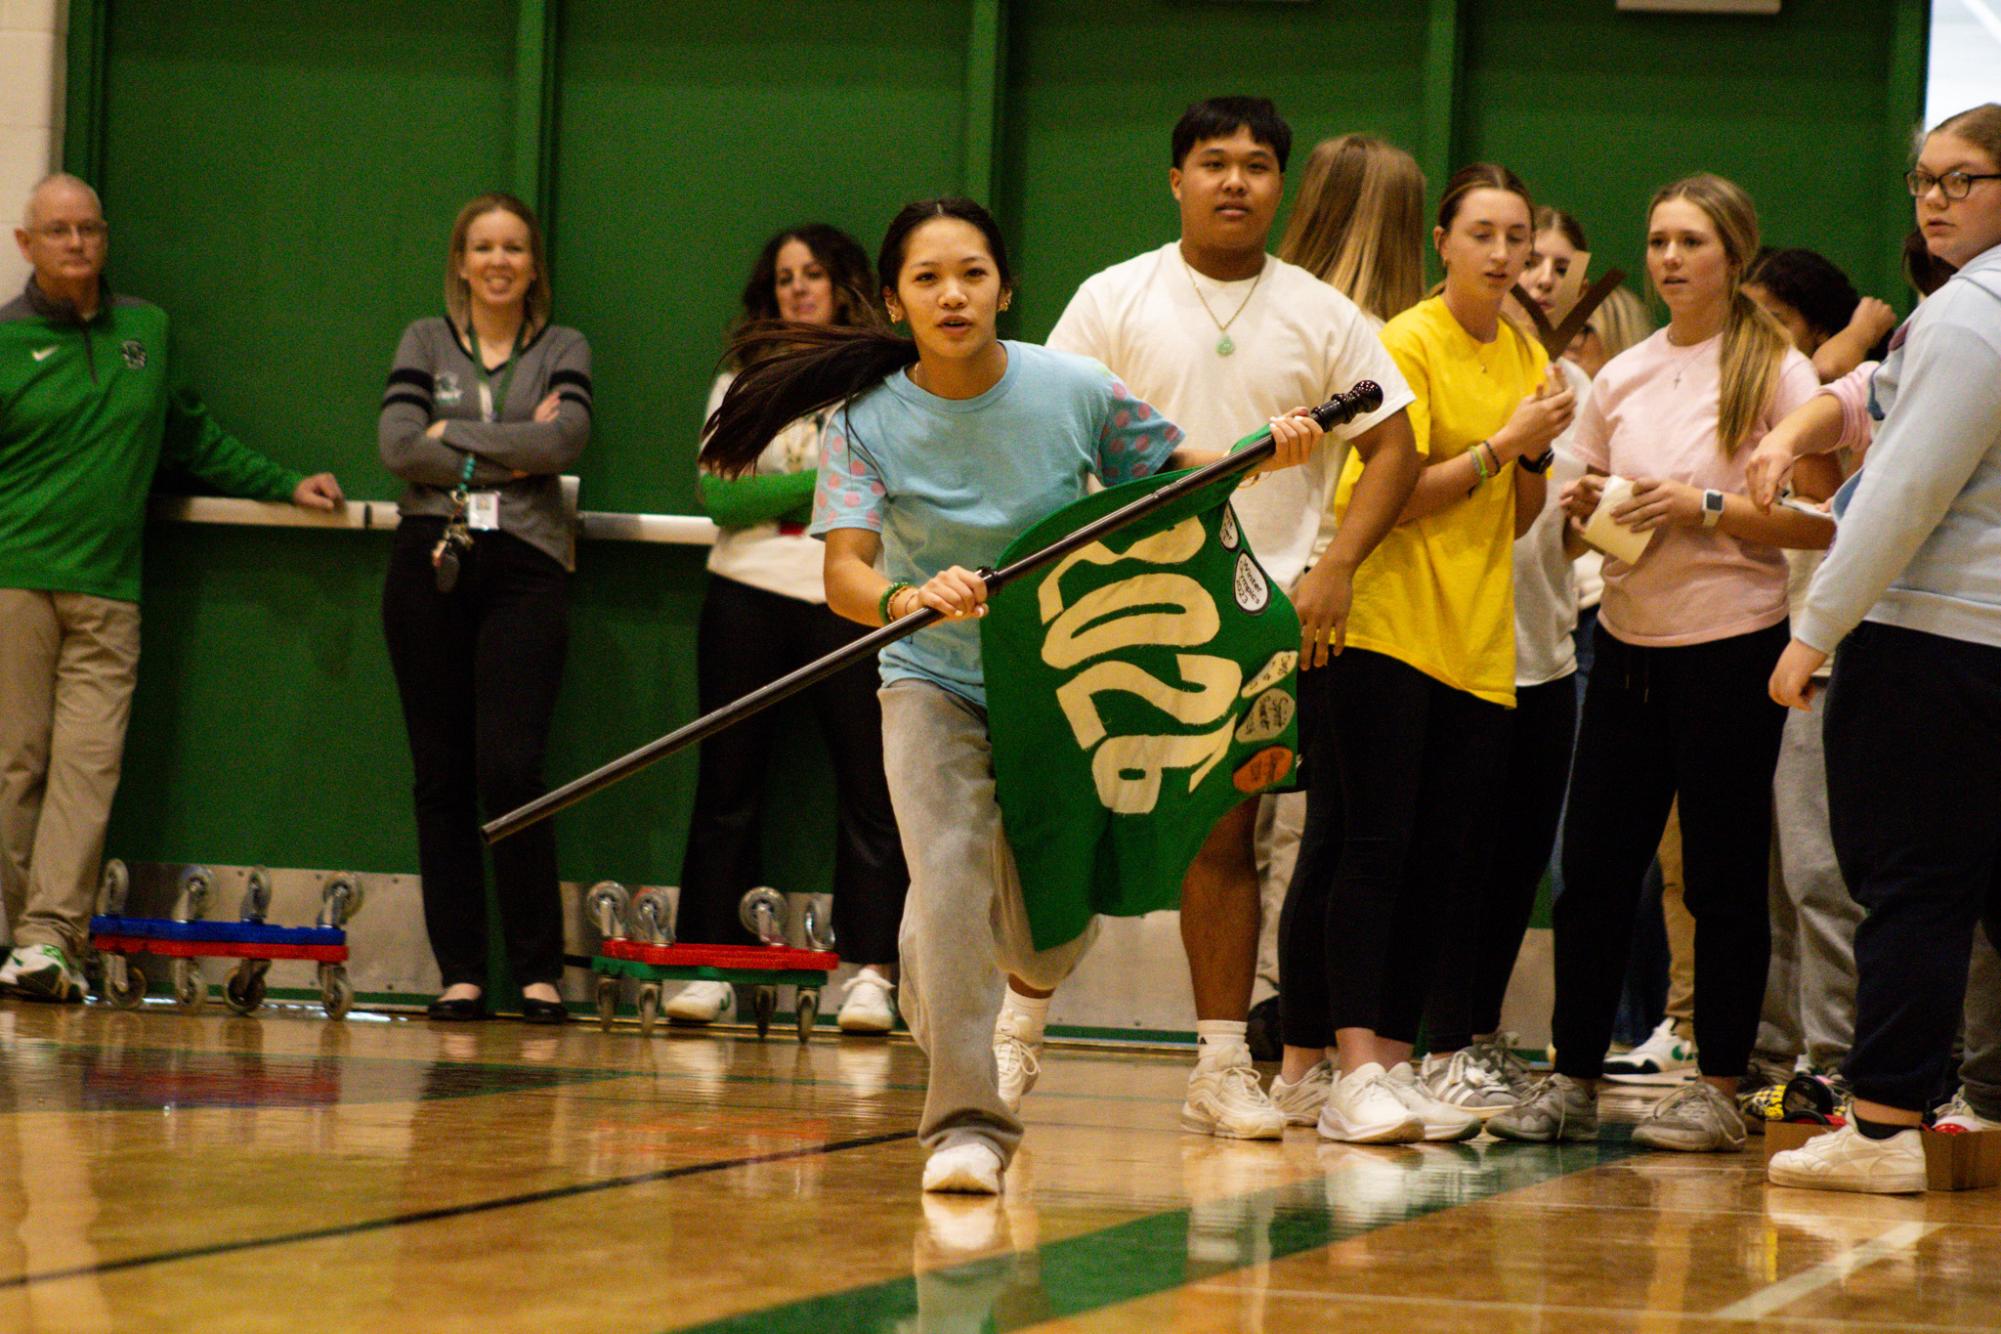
(951,481)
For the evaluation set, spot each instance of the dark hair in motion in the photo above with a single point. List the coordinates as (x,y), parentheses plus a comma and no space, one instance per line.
(793,369)
(838,253)
(1811,284)
(1221,117)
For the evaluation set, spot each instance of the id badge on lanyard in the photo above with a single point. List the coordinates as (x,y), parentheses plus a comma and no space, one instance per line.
(482,508)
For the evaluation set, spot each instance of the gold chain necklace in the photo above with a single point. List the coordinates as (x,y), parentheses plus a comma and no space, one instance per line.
(1224,345)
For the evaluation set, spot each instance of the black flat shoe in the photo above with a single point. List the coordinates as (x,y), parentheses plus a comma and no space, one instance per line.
(543,1012)
(457,1011)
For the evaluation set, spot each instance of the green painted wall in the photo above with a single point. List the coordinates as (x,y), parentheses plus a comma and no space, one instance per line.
(281,177)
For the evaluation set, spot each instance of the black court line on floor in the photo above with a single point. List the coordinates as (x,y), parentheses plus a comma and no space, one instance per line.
(450,1211)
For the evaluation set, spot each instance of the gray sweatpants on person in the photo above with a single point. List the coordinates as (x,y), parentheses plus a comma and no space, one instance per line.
(1980,1071)
(1810,990)
(964,926)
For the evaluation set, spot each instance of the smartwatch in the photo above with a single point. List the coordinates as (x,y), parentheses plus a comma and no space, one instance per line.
(1540,463)
(1712,508)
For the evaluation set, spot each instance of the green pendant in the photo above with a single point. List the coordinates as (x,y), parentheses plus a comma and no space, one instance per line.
(1224,347)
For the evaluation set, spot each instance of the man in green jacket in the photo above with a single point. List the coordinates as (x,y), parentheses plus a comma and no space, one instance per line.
(88,408)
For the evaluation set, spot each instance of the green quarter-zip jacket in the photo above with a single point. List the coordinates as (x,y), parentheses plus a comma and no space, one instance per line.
(88,408)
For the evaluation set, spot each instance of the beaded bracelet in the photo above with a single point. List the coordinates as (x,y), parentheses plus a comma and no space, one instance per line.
(889,596)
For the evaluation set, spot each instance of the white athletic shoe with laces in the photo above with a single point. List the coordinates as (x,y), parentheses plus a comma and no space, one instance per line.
(1498,1054)
(1664,1058)
(1226,1100)
(1462,1079)
(1300,1103)
(702,1003)
(865,1004)
(1443,1122)
(1846,1159)
(965,1168)
(1362,1108)
(41,972)
(1018,1061)
(1957,1117)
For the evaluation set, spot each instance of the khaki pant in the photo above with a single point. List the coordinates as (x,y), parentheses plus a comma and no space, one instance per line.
(1680,930)
(68,663)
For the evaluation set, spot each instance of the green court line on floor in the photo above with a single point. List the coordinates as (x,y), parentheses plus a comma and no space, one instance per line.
(1149,1255)
(450,1211)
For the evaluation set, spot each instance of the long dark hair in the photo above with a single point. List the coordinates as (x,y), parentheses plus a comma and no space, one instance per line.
(791,370)
(838,253)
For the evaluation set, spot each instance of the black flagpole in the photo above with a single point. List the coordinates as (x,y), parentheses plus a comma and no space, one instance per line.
(1366,396)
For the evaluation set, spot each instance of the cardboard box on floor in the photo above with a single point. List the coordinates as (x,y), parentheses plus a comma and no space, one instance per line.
(1952,1162)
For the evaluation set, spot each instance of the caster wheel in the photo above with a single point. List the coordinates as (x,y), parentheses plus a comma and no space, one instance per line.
(808,1006)
(606,906)
(191,900)
(762,912)
(244,990)
(819,934)
(336,992)
(650,918)
(340,900)
(649,1008)
(124,983)
(190,988)
(764,1003)
(607,997)
(113,887)
(256,896)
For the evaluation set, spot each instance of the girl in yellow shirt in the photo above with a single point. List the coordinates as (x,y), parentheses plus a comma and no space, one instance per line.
(1415,709)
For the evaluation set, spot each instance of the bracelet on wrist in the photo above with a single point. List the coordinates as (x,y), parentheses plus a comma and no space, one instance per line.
(1541,463)
(1480,464)
(889,596)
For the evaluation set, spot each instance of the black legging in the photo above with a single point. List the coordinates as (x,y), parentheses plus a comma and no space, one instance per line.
(1391,829)
(750,637)
(1695,720)
(1480,948)
(478,670)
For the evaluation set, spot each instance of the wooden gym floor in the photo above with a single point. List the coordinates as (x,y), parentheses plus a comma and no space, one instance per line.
(162,1171)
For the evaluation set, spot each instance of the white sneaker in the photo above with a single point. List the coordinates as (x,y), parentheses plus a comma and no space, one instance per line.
(1462,1079)
(1019,1063)
(966,1168)
(1847,1160)
(1443,1122)
(1226,1100)
(1664,1058)
(42,972)
(865,1007)
(1498,1055)
(1957,1117)
(1362,1108)
(702,1003)
(1300,1103)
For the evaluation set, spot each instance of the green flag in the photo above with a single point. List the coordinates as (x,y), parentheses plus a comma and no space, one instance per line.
(1136,690)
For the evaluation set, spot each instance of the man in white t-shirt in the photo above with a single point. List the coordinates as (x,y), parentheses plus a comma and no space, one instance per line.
(1222,337)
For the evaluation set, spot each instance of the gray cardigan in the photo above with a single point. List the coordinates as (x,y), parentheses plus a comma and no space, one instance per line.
(434,377)
(1919,544)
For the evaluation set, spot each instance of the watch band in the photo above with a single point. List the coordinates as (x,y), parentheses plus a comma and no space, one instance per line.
(1712,508)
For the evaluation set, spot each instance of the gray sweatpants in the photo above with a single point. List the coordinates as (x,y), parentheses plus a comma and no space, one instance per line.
(1810,991)
(964,927)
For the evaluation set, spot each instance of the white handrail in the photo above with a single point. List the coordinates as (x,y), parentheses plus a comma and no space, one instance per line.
(596,525)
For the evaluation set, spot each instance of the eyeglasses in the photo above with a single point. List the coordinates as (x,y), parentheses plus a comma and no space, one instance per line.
(1955,184)
(83,231)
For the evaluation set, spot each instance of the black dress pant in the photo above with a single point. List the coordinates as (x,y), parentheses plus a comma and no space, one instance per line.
(1694,719)
(749,638)
(1391,841)
(1913,732)
(1478,957)
(478,670)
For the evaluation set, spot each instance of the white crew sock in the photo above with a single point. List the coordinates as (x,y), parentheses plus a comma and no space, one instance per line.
(1024,1016)
(1221,1042)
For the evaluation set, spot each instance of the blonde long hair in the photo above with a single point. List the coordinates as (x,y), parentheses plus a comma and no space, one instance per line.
(1622,321)
(1358,223)
(1754,344)
(537,301)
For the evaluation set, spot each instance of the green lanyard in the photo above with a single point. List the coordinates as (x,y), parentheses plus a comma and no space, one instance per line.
(498,391)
